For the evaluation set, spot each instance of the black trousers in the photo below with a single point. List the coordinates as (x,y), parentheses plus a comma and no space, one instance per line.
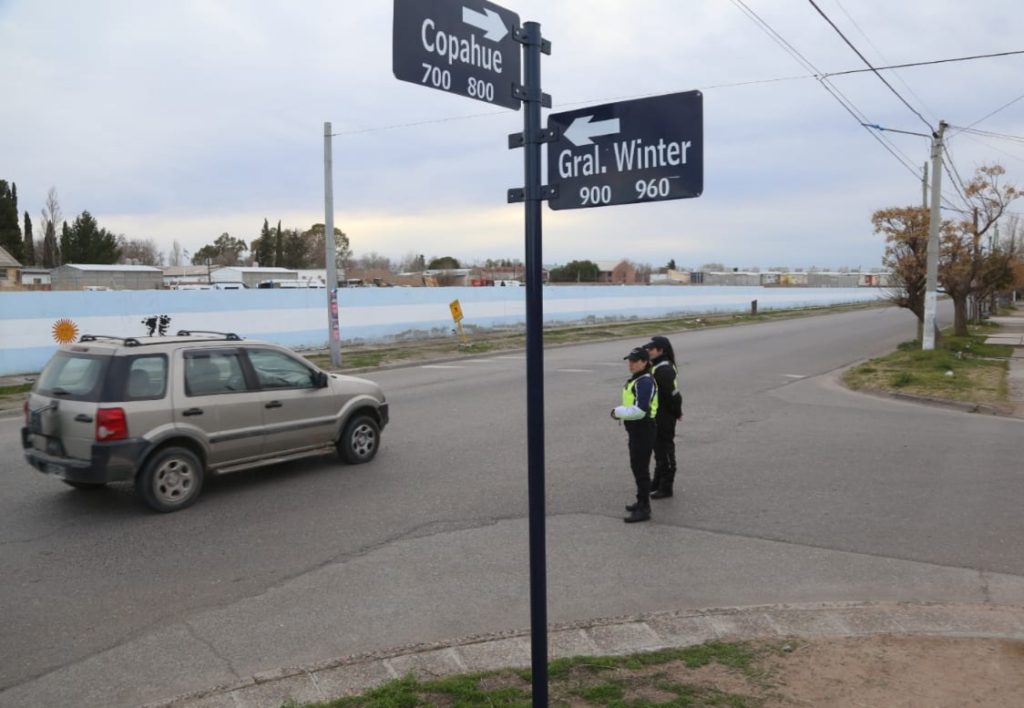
(641,444)
(664,451)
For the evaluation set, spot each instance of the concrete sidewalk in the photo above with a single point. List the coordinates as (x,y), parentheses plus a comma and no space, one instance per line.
(1012,334)
(352,675)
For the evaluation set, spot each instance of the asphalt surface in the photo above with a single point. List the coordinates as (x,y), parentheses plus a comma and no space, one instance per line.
(791,490)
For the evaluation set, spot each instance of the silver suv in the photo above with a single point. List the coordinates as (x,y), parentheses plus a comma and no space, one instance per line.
(166,411)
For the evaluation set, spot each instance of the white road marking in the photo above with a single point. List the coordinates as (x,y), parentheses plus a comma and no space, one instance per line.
(480,361)
(517,358)
(575,371)
(795,376)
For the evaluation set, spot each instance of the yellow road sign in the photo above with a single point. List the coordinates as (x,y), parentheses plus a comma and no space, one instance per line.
(456,309)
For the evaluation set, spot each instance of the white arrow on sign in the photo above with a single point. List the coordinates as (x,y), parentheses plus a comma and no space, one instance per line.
(584,128)
(489,21)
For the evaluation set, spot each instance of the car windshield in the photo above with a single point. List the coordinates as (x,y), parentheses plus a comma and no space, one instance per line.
(73,376)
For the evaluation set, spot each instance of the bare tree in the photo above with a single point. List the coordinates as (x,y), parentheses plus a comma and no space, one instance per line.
(966,266)
(140,251)
(373,261)
(51,217)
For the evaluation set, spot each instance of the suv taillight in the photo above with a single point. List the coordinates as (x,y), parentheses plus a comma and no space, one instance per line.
(111,424)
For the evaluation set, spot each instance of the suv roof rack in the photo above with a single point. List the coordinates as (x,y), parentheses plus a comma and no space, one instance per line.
(126,341)
(230,336)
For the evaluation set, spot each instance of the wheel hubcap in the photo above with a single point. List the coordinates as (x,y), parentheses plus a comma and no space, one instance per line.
(174,481)
(364,439)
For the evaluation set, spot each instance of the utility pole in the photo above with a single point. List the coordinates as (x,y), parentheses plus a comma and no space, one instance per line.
(931,283)
(924,186)
(330,252)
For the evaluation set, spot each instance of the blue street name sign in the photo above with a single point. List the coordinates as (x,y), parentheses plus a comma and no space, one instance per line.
(464,47)
(647,150)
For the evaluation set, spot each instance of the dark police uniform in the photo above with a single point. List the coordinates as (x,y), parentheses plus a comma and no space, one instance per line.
(638,410)
(670,409)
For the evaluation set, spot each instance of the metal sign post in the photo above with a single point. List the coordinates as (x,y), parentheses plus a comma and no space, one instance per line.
(532,194)
(472,48)
(330,253)
(645,150)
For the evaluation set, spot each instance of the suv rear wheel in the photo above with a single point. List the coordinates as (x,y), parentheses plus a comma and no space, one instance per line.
(360,440)
(171,479)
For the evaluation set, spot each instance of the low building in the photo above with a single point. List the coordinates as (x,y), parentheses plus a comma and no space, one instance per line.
(35,278)
(252,276)
(94,276)
(187,276)
(10,270)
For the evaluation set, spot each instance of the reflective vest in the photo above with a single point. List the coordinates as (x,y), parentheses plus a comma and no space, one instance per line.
(629,394)
(675,374)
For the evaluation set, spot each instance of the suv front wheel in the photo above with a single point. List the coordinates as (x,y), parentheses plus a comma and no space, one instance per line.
(171,479)
(360,440)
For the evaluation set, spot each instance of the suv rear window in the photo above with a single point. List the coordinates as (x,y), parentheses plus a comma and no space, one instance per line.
(73,376)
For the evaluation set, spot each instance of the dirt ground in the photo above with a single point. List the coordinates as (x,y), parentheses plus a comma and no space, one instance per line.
(889,671)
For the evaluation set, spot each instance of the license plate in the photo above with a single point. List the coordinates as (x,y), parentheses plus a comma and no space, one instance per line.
(35,423)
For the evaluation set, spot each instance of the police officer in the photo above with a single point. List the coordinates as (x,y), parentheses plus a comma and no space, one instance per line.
(670,410)
(638,410)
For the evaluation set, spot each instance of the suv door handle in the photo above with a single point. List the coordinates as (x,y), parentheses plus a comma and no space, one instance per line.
(192,411)
(83,418)
(274,404)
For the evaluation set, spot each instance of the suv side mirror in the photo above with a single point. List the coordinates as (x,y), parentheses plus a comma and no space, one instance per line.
(320,379)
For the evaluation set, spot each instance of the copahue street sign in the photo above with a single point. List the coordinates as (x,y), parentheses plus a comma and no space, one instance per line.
(464,47)
(646,150)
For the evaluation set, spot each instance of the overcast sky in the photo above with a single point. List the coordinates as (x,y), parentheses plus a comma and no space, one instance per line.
(180,120)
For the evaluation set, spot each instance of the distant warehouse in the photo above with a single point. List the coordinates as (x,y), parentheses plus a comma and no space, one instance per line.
(86,276)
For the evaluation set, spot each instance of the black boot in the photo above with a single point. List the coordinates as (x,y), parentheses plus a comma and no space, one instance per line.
(664,490)
(642,512)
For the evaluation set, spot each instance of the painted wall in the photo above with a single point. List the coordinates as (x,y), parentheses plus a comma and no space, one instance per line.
(298,318)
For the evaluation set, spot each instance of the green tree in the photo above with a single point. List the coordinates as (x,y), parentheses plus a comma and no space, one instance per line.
(225,251)
(316,248)
(294,249)
(67,249)
(87,242)
(278,245)
(28,246)
(444,263)
(576,272)
(10,229)
(265,247)
(671,264)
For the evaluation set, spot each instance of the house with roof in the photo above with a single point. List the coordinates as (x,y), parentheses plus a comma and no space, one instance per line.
(10,270)
(620,272)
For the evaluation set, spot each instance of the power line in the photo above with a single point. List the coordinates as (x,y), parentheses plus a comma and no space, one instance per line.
(848,105)
(989,115)
(883,58)
(950,60)
(873,69)
(990,134)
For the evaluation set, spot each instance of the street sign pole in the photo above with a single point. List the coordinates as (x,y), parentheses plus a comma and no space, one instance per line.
(532,45)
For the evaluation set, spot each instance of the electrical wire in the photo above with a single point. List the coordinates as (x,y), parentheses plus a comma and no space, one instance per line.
(883,58)
(848,105)
(873,69)
(989,115)
(990,134)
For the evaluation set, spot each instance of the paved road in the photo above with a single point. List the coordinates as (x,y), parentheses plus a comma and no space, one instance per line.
(792,490)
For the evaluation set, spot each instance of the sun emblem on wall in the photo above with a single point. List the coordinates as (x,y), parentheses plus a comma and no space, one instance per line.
(65,331)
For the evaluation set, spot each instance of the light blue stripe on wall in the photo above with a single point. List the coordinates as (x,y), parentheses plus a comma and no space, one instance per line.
(294,317)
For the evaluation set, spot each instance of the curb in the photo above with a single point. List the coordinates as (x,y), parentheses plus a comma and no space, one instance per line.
(352,675)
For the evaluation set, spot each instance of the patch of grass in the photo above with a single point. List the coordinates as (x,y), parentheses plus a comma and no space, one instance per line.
(615,682)
(979,370)
(16,389)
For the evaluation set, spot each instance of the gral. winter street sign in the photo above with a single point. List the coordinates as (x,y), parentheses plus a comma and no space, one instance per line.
(647,150)
(465,47)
